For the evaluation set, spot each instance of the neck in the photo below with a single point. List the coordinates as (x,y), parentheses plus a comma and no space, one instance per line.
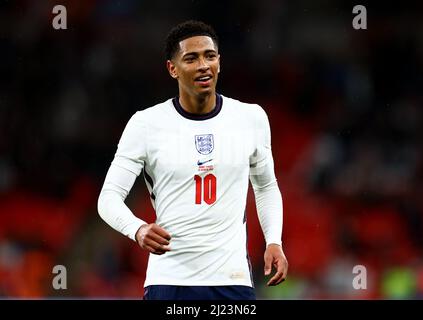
(198,104)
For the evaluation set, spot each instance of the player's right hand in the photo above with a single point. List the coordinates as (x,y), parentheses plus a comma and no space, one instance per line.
(153,238)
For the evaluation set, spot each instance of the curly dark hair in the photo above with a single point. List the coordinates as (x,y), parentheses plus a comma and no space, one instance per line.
(186,30)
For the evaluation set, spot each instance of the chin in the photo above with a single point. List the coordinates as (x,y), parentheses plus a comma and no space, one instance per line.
(204,95)
(205,91)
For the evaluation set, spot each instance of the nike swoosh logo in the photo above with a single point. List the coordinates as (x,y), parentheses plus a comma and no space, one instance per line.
(200,163)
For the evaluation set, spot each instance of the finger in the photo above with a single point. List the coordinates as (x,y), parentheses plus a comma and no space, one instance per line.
(279,276)
(285,270)
(157,238)
(160,231)
(276,279)
(152,250)
(156,246)
(267,265)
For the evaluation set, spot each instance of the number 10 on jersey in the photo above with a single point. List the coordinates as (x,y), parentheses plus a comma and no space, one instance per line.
(205,189)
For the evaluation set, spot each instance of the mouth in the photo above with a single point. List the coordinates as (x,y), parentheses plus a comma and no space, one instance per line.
(203,80)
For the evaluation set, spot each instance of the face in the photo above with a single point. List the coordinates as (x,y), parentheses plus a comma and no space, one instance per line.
(196,66)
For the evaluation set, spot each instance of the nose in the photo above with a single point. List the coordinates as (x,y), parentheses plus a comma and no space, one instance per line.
(203,65)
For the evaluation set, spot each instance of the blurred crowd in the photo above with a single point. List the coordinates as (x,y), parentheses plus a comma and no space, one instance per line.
(345,108)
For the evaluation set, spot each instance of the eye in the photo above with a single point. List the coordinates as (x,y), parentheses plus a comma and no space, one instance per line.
(211,55)
(189,59)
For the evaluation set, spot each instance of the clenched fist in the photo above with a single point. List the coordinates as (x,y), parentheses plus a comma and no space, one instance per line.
(153,238)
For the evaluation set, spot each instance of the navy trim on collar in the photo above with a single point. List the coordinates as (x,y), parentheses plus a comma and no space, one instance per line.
(195,116)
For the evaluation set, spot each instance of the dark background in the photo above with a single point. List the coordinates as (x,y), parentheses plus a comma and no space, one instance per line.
(345,107)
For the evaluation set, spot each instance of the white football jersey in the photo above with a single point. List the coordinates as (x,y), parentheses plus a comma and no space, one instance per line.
(197,170)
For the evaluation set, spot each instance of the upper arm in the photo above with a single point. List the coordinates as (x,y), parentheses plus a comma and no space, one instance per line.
(132,148)
(262,154)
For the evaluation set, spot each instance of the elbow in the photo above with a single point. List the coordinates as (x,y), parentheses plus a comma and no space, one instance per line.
(107,202)
(101,205)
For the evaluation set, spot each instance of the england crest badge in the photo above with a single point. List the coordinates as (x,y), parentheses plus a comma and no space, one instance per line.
(204,143)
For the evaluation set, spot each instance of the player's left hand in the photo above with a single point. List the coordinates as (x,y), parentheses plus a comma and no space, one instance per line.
(275,257)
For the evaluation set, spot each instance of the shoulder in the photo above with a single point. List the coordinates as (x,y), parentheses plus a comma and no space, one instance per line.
(151,113)
(252,112)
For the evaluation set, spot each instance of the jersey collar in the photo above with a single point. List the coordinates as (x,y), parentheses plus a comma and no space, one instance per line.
(198,117)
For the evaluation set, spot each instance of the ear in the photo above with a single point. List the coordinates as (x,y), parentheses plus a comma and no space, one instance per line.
(172,69)
(218,61)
